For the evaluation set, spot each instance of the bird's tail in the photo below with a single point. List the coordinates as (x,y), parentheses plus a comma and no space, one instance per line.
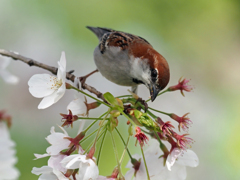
(99,31)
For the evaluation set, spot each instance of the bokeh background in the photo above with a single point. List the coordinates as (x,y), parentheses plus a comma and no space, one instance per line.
(200,40)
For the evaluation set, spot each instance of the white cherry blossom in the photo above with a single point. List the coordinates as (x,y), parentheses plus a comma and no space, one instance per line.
(54,170)
(7,155)
(48,87)
(58,143)
(184,158)
(78,106)
(48,173)
(87,167)
(4,73)
(177,162)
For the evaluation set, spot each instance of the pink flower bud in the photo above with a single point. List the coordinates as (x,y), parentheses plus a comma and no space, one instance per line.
(182,86)
(141,137)
(184,121)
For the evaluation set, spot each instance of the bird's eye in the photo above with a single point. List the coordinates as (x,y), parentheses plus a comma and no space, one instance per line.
(154,73)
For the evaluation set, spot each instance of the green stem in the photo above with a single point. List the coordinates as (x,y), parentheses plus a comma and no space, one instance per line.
(145,131)
(159,94)
(124,143)
(145,163)
(101,123)
(96,119)
(125,149)
(123,96)
(88,136)
(98,130)
(159,111)
(100,148)
(94,142)
(162,146)
(90,96)
(116,153)
(88,118)
(90,126)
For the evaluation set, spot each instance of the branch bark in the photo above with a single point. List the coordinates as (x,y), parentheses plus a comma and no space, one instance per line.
(53,70)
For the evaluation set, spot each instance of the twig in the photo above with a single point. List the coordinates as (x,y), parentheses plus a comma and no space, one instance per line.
(52,69)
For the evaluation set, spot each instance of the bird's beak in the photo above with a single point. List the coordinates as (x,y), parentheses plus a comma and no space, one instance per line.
(154,90)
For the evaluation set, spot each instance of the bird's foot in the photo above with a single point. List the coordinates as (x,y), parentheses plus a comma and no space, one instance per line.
(143,102)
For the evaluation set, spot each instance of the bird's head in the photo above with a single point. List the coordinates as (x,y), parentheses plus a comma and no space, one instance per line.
(149,68)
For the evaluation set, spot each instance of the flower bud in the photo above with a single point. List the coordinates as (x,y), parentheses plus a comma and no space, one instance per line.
(115,113)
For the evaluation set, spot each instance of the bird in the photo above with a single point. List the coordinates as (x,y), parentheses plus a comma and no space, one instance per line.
(130,60)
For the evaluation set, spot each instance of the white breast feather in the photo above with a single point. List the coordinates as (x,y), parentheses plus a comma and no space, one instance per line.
(140,70)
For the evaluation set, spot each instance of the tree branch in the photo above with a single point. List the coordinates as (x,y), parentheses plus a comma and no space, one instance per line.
(53,70)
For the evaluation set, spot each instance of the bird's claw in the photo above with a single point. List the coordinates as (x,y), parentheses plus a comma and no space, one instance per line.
(143,102)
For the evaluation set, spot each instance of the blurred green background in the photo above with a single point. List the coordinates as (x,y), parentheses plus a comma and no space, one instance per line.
(199,39)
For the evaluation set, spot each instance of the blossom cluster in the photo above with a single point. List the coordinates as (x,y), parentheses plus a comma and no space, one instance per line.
(70,159)
(7,151)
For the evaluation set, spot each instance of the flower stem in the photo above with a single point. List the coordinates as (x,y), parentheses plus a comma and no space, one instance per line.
(162,146)
(125,149)
(90,96)
(87,118)
(88,136)
(123,96)
(91,126)
(101,124)
(94,142)
(124,143)
(116,153)
(168,114)
(100,148)
(145,163)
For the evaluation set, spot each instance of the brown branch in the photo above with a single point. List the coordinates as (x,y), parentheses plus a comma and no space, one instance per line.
(52,69)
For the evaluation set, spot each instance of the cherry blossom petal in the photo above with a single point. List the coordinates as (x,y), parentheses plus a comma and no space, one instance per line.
(54,162)
(188,158)
(88,170)
(72,162)
(4,62)
(8,77)
(152,161)
(61,74)
(178,172)
(41,85)
(7,155)
(48,173)
(176,152)
(87,167)
(155,164)
(8,162)
(38,156)
(78,107)
(58,142)
(59,175)
(41,170)
(9,173)
(52,98)
(48,87)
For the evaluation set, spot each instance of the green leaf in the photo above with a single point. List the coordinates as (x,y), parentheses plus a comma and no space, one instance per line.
(110,98)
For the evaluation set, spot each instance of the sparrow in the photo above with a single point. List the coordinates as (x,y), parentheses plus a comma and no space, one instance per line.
(129,60)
